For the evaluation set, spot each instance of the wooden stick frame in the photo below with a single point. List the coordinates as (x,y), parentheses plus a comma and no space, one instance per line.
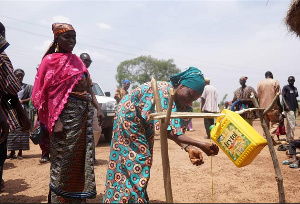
(164,118)
(163,123)
(278,175)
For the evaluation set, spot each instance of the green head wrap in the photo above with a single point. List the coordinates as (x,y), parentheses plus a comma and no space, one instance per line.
(191,77)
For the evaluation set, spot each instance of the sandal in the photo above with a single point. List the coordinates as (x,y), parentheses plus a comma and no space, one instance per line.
(12,156)
(282,147)
(44,160)
(20,157)
(286,162)
(293,165)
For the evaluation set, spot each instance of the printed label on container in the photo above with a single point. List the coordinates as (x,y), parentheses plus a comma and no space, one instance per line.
(233,141)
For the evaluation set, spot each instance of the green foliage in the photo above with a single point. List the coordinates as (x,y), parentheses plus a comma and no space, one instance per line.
(196,104)
(196,110)
(141,69)
(196,107)
(223,101)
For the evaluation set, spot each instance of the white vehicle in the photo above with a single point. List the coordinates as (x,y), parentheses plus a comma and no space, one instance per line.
(108,105)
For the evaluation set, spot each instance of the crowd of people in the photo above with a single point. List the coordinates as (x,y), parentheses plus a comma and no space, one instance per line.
(65,104)
(286,108)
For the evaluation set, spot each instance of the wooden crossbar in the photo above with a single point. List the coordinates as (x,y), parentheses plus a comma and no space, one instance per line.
(162,115)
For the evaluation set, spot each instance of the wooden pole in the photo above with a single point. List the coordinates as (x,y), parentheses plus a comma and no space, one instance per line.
(164,140)
(278,175)
(272,104)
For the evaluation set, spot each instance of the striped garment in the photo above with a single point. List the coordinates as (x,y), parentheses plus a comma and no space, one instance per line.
(72,177)
(9,85)
(17,139)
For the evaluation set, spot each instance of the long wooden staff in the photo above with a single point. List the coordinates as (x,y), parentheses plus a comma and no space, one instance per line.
(163,123)
(278,175)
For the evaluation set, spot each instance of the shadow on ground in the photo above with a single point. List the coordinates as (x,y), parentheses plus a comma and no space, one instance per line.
(8,195)
(8,165)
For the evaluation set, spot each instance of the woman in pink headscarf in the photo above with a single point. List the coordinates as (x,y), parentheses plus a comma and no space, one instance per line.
(63,95)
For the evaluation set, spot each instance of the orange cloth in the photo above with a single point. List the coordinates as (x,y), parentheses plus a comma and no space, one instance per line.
(266,91)
(59,28)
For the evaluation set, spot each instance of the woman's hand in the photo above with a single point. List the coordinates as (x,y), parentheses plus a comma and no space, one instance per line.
(195,155)
(58,130)
(209,149)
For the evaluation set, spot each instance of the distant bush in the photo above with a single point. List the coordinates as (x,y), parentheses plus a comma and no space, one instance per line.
(196,110)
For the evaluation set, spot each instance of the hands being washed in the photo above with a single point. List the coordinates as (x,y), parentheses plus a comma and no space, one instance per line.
(209,149)
(195,155)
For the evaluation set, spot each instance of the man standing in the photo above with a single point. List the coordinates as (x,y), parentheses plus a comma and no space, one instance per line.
(86,59)
(290,104)
(121,92)
(209,104)
(12,115)
(266,91)
(243,101)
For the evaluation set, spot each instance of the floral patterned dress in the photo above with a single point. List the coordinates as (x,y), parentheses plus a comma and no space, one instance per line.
(131,149)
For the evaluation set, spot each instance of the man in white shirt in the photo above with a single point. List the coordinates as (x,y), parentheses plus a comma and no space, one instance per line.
(209,104)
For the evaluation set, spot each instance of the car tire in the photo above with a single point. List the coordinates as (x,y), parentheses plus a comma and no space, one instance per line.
(107,134)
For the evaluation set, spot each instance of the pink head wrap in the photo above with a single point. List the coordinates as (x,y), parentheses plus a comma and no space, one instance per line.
(57,75)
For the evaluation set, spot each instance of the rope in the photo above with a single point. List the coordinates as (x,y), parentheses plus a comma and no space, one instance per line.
(212,180)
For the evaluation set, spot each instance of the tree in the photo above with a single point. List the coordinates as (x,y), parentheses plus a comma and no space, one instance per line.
(141,69)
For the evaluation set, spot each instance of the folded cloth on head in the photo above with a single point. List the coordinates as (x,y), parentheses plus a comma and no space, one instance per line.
(3,44)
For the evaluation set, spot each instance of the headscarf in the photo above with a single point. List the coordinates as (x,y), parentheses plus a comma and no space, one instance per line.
(126,81)
(56,77)
(17,71)
(191,77)
(58,29)
(3,44)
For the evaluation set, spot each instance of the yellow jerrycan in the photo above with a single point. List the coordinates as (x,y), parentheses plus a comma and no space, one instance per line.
(239,140)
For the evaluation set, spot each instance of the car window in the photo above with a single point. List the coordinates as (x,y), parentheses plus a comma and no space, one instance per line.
(97,90)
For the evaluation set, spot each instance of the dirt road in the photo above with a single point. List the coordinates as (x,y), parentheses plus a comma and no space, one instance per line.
(26,181)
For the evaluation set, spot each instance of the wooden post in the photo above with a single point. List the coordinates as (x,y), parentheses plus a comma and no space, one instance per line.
(278,175)
(163,123)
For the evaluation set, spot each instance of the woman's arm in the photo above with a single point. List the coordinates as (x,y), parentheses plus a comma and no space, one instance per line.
(25,101)
(181,140)
(95,103)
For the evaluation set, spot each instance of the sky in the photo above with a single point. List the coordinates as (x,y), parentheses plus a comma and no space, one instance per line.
(224,39)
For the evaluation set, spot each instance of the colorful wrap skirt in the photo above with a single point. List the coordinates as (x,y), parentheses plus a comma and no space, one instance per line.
(72,169)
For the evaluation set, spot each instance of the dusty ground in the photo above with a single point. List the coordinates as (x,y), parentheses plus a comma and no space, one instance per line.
(26,181)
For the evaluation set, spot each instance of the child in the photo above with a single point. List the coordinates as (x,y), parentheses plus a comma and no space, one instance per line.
(190,126)
(281,127)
